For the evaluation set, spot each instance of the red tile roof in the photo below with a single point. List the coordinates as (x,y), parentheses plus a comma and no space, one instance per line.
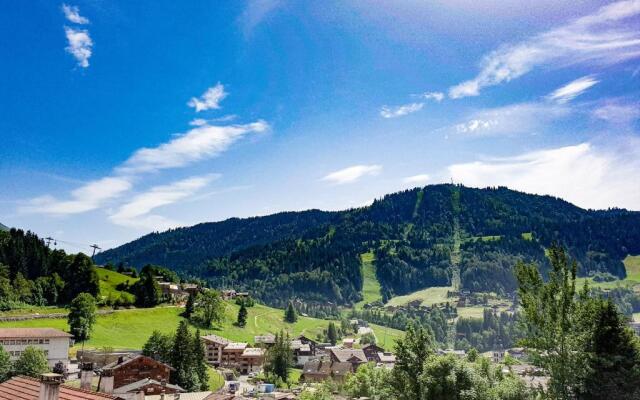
(25,388)
(32,332)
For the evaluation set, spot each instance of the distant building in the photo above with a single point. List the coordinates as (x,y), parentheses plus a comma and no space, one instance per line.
(128,370)
(48,387)
(221,352)
(371,352)
(265,340)
(319,370)
(214,346)
(355,357)
(457,353)
(146,387)
(54,342)
(387,359)
(348,342)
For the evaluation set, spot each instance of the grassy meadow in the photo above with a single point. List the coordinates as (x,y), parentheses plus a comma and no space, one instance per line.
(429,296)
(370,285)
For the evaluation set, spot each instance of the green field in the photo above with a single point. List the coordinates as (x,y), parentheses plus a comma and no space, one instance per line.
(108,282)
(631,265)
(386,337)
(471,312)
(370,284)
(429,296)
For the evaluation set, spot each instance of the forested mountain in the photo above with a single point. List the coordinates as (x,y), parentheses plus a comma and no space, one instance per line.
(421,237)
(3,227)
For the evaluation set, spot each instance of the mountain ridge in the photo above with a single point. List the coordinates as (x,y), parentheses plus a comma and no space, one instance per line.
(314,254)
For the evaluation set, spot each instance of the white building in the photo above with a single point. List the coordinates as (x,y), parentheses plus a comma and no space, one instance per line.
(54,342)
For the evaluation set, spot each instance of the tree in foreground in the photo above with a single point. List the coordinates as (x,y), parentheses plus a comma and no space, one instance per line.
(280,357)
(182,359)
(199,362)
(290,315)
(411,353)
(613,354)
(82,316)
(32,363)
(5,365)
(159,347)
(242,316)
(369,381)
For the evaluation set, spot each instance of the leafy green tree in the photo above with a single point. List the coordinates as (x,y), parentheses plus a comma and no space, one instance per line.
(411,352)
(147,290)
(472,355)
(290,315)
(368,338)
(209,308)
(82,316)
(369,381)
(242,316)
(200,362)
(32,362)
(5,365)
(320,392)
(80,277)
(182,359)
(613,354)
(447,378)
(332,333)
(159,347)
(552,314)
(280,357)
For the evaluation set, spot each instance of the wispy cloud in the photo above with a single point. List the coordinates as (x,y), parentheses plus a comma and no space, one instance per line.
(72,14)
(204,141)
(421,179)
(352,174)
(79,45)
(618,112)
(520,118)
(255,12)
(394,112)
(136,212)
(437,96)
(572,89)
(85,198)
(588,175)
(600,38)
(210,100)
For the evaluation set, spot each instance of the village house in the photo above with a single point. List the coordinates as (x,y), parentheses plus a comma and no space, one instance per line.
(128,370)
(214,346)
(386,359)
(301,352)
(457,353)
(355,357)
(146,387)
(48,387)
(371,352)
(320,370)
(54,342)
(221,352)
(264,340)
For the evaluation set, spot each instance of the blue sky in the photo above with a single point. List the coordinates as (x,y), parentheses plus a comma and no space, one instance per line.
(121,118)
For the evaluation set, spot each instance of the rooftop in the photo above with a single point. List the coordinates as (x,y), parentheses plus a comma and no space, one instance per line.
(253,352)
(135,386)
(344,355)
(32,333)
(215,339)
(236,346)
(25,388)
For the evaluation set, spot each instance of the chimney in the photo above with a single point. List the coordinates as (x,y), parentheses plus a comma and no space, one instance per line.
(50,386)
(106,382)
(86,375)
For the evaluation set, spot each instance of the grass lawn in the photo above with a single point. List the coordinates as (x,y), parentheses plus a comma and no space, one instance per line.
(216,381)
(110,279)
(35,310)
(370,284)
(471,312)
(386,337)
(429,296)
(294,375)
(632,265)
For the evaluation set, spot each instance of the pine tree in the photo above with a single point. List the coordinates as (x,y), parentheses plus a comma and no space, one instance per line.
(290,315)
(242,316)
(182,359)
(200,362)
(280,357)
(190,306)
(159,347)
(332,333)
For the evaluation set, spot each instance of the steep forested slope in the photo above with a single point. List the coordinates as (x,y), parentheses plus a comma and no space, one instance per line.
(421,237)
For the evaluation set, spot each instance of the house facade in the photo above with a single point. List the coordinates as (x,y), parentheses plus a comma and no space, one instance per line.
(130,370)
(54,342)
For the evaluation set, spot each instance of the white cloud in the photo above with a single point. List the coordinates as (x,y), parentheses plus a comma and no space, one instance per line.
(437,96)
(352,174)
(587,175)
(618,112)
(86,198)
(572,89)
(421,179)
(72,14)
(394,112)
(136,212)
(520,118)
(600,38)
(210,99)
(204,141)
(80,45)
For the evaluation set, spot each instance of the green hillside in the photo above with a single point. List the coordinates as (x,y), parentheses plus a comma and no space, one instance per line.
(129,329)
(3,227)
(420,238)
(109,280)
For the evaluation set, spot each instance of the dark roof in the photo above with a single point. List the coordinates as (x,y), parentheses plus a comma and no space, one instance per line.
(372,346)
(32,333)
(25,388)
(341,368)
(344,355)
(317,367)
(129,358)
